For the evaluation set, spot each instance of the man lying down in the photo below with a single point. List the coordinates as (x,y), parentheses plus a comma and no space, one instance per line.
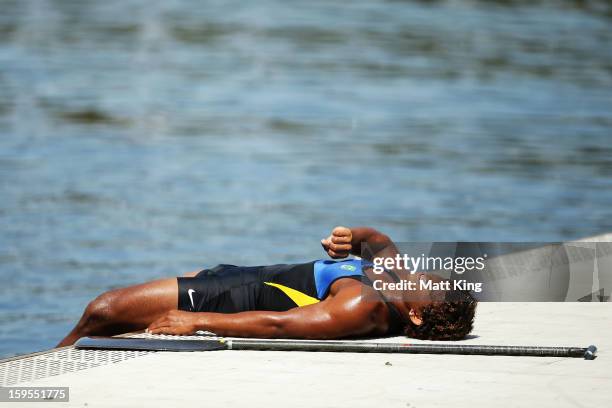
(323,299)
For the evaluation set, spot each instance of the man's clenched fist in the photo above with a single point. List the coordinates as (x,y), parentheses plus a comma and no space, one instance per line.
(338,244)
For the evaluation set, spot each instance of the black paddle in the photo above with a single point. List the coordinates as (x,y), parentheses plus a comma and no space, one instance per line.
(116,343)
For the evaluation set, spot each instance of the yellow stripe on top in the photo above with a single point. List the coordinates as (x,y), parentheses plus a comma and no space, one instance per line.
(300,299)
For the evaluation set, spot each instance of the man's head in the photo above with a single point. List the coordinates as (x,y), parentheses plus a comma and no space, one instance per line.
(438,312)
(450,318)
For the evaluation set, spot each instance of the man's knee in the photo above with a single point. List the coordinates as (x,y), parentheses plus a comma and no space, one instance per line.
(102,309)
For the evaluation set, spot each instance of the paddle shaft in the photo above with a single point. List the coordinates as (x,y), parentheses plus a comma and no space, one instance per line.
(407,348)
(331,346)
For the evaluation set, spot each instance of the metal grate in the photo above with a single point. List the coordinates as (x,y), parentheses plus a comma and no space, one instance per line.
(50,363)
(56,362)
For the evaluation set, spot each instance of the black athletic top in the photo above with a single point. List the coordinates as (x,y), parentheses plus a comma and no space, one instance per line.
(233,289)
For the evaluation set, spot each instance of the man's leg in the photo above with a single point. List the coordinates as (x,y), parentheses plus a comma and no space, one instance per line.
(126,309)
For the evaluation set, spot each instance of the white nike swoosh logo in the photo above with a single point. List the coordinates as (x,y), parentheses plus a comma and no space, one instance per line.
(190,293)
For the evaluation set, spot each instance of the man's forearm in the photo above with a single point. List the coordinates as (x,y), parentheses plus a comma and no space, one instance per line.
(245,324)
(369,243)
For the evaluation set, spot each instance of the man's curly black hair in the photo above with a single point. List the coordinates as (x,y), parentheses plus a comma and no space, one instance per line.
(451,319)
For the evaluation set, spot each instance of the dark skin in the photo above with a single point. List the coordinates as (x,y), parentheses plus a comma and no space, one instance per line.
(351,309)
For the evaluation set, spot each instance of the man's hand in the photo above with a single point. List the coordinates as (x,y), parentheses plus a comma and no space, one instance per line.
(174,322)
(338,244)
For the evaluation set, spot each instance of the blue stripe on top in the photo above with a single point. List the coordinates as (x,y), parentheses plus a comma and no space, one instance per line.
(327,272)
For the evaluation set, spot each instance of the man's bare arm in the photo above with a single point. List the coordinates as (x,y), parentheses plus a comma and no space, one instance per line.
(342,315)
(344,241)
(375,243)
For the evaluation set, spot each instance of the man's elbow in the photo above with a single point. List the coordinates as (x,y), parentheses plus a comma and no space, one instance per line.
(277,326)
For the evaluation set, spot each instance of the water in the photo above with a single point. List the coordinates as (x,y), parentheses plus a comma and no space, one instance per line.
(141,139)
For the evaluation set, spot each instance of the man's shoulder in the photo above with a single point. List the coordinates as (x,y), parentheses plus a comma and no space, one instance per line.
(350,288)
(360,302)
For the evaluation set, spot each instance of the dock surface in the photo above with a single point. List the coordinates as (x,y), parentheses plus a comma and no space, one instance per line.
(305,379)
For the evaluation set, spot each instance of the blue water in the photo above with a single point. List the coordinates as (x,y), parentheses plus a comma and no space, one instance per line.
(141,139)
